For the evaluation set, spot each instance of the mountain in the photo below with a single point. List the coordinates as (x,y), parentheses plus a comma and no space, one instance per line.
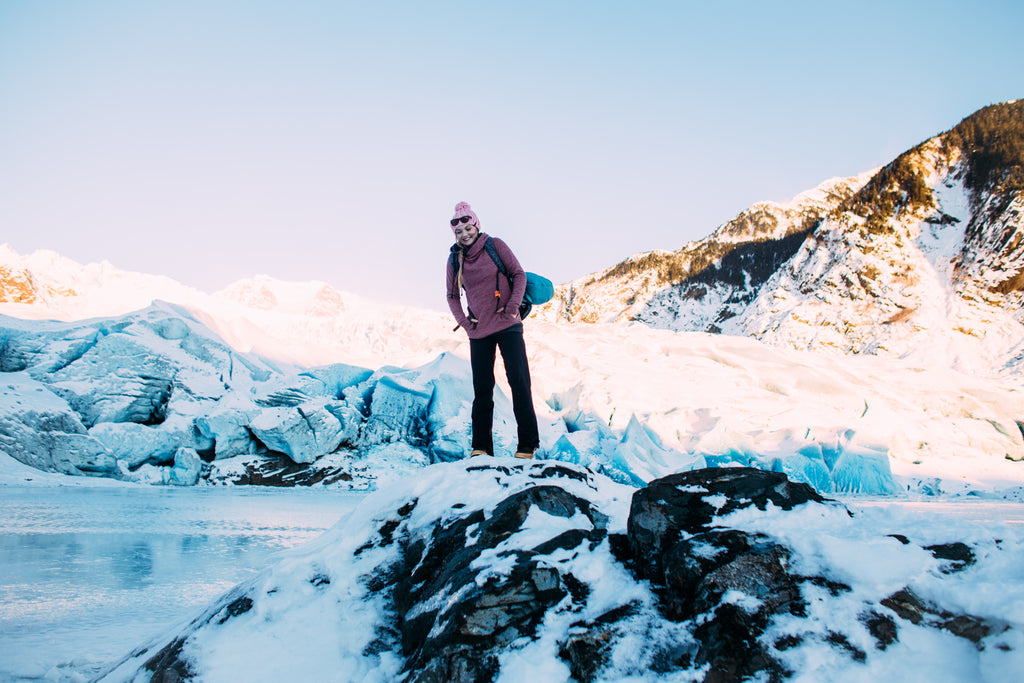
(45,284)
(298,323)
(921,259)
(708,281)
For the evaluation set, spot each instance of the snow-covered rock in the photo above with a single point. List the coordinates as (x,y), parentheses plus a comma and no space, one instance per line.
(496,569)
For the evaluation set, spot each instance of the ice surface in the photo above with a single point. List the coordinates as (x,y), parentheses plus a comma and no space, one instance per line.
(88,571)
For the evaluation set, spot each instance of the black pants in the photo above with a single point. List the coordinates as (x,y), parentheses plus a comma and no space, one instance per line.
(517,370)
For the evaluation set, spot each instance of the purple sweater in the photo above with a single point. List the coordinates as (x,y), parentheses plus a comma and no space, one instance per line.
(479,274)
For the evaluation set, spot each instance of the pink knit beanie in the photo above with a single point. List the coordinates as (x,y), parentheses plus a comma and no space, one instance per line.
(464,209)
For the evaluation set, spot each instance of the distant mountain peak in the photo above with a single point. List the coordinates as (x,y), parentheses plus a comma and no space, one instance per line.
(924,255)
(263,292)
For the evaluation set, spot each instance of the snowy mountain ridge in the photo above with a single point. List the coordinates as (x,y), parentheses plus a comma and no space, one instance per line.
(641,287)
(297,323)
(922,259)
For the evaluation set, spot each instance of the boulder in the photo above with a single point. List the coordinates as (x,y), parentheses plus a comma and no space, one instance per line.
(445,639)
(687,503)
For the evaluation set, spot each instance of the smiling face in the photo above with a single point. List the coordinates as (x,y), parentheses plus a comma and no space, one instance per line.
(466,233)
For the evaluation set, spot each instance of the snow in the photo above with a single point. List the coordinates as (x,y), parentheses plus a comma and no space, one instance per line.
(633,402)
(629,402)
(329,626)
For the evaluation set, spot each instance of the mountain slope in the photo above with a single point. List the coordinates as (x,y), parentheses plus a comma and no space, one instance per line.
(923,257)
(46,284)
(708,281)
(926,259)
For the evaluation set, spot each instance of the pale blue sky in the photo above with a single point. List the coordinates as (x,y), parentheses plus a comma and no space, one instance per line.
(213,140)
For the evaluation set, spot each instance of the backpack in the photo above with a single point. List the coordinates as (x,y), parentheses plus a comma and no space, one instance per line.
(539,289)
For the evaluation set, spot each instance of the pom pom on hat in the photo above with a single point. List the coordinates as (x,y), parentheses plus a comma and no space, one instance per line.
(464,209)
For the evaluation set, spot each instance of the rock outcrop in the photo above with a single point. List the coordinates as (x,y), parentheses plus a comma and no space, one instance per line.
(490,568)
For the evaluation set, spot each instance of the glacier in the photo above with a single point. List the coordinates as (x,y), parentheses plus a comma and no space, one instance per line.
(156,396)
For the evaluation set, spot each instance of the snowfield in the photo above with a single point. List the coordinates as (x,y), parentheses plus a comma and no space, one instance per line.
(357,396)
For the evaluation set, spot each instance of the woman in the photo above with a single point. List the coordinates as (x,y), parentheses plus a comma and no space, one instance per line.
(491,321)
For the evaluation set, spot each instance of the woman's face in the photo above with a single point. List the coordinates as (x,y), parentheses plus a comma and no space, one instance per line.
(466,233)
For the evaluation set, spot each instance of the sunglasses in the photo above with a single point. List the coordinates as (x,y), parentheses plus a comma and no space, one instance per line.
(464,219)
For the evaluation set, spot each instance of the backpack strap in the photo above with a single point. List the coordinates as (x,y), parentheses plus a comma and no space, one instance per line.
(492,251)
(455,263)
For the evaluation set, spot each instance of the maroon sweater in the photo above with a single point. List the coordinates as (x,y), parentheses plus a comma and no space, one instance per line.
(479,275)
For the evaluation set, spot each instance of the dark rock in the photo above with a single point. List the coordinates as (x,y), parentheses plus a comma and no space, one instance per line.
(621,548)
(958,556)
(239,606)
(841,641)
(970,627)
(882,628)
(448,639)
(787,642)
(588,645)
(701,569)
(909,606)
(168,666)
(729,646)
(688,502)
(460,596)
(548,470)
(697,580)
(692,566)
(282,471)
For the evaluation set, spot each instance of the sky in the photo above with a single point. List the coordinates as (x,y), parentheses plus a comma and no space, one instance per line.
(215,140)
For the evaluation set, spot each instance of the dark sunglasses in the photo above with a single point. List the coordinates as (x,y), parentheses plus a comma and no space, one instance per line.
(464,219)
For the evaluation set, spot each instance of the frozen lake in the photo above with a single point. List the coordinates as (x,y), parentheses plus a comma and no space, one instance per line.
(87,574)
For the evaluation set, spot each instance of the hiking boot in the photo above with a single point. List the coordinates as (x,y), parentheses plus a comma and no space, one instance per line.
(524,455)
(477,452)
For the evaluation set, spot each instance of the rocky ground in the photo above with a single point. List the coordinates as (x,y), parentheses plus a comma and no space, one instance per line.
(491,569)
